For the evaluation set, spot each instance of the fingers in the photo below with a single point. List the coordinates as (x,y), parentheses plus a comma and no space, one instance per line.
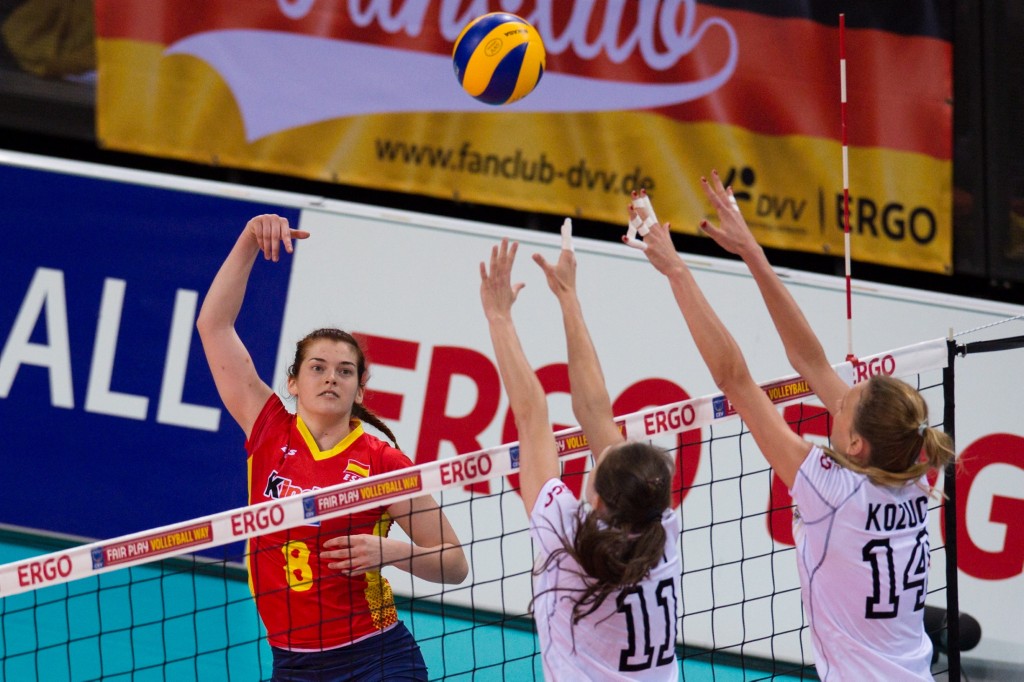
(641,219)
(721,197)
(495,287)
(288,235)
(567,235)
(271,232)
(494,259)
(634,243)
(339,542)
(708,228)
(348,554)
(547,268)
(641,214)
(719,187)
(634,222)
(712,194)
(502,256)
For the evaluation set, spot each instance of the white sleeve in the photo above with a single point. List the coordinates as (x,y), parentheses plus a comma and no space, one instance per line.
(553,519)
(822,485)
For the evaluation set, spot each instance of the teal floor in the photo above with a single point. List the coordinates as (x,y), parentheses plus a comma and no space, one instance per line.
(143,624)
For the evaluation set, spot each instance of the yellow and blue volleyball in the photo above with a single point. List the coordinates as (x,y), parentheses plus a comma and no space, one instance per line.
(498,58)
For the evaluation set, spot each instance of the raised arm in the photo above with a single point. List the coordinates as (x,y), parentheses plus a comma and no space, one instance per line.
(241,389)
(538,457)
(803,349)
(784,450)
(590,401)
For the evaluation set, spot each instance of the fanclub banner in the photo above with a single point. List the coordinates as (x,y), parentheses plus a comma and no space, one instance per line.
(652,93)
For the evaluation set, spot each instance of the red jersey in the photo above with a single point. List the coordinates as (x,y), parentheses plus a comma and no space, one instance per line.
(305,605)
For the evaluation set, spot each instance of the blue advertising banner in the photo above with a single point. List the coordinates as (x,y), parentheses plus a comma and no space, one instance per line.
(110,417)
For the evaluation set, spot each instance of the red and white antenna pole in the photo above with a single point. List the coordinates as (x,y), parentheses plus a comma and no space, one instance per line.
(846,186)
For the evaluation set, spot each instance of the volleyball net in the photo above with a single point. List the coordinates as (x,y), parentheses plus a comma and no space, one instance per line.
(174,602)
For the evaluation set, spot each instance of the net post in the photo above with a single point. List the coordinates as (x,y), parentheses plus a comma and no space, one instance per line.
(949,517)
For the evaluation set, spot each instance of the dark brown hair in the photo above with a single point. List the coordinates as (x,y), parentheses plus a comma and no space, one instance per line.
(893,418)
(617,546)
(359,411)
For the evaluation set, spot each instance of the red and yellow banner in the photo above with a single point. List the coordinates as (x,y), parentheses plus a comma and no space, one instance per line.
(649,93)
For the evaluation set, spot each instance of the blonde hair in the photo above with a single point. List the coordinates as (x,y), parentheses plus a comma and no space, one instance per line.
(892,418)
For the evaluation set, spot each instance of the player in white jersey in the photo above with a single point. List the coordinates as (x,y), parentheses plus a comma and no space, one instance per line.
(608,570)
(862,507)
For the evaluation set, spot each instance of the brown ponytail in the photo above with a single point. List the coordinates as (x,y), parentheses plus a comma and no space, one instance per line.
(618,546)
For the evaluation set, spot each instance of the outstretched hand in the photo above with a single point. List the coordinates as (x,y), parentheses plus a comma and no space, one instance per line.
(732,233)
(561,275)
(496,290)
(657,243)
(271,231)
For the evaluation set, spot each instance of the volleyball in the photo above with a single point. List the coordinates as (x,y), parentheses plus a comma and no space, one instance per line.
(498,58)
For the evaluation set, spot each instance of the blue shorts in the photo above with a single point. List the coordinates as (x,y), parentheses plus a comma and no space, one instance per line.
(391,655)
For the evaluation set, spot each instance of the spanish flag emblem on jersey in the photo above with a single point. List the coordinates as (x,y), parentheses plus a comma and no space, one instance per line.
(357,468)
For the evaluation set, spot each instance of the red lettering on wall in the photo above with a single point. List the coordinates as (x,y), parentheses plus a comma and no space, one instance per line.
(648,393)
(996,448)
(381,350)
(805,420)
(554,379)
(463,432)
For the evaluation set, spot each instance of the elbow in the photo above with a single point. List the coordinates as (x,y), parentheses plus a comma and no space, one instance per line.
(591,403)
(208,324)
(461,574)
(798,363)
(457,568)
(529,411)
(202,326)
(806,361)
(730,375)
(204,323)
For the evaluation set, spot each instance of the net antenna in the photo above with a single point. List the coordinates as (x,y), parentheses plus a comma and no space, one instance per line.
(846,187)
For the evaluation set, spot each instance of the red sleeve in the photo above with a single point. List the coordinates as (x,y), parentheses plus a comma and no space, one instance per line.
(393,459)
(273,410)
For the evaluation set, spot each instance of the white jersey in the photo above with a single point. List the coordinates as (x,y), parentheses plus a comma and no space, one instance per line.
(862,554)
(632,636)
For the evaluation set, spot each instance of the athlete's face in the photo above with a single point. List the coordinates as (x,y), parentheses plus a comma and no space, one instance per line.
(327,381)
(844,438)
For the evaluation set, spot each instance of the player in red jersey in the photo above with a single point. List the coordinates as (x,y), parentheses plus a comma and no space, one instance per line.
(329,613)
(863,579)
